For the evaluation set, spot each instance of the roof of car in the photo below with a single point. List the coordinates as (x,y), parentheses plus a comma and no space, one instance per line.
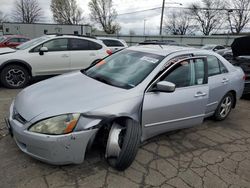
(163,50)
(107,38)
(16,36)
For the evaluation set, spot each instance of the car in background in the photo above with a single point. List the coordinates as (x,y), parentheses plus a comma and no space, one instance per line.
(47,56)
(12,40)
(239,55)
(213,47)
(113,44)
(161,42)
(223,51)
(125,99)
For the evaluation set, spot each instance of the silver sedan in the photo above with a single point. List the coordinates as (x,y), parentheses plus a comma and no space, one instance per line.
(121,101)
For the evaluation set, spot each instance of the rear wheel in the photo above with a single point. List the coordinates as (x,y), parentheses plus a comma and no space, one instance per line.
(123,142)
(14,76)
(225,107)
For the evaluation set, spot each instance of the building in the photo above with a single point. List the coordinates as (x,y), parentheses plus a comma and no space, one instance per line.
(39,29)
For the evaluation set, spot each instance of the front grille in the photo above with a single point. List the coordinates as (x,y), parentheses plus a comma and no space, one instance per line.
(18,117)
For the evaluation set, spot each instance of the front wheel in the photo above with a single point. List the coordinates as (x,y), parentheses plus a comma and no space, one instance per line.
(225,107)
(14,76)
(123,143)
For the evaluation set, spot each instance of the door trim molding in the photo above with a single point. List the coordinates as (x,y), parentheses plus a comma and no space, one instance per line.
(173,121)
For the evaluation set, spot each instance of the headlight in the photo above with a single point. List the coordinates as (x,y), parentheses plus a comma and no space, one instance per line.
(57,125)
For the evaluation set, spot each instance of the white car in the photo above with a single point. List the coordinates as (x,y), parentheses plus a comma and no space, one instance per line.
(48,55)
(113,44)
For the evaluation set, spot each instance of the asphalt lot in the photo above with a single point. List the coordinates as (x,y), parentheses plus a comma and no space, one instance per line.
(214,154)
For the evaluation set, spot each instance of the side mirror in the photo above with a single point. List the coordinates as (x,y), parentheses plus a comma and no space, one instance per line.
(165,86)
(42,50)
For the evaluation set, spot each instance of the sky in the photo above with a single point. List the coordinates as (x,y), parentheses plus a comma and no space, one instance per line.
(128,22)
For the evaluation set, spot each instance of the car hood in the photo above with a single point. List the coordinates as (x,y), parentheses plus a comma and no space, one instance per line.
(69,93)
(6,51)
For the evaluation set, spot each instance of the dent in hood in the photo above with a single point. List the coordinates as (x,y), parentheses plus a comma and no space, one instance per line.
(69,93)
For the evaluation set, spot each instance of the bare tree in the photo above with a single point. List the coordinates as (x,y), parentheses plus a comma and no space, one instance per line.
(103,13)
(239,16)
(27,11)
(208,16)
(3,17)
(178,23)
(66,11)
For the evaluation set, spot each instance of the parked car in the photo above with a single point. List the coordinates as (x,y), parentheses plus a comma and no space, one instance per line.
(240,56)
(48,55)
(123,100)
(161,42)
(113,44)
(223,51)
(12,40)
(213,47)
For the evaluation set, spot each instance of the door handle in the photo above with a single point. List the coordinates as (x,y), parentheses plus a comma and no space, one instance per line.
(65,55)
(225,80)
(200,94)
(92,54)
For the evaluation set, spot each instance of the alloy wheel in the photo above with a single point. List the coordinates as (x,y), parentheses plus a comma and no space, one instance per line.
(226,106)
(15,77)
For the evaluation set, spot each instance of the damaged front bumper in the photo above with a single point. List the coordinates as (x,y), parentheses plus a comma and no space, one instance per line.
(52,149)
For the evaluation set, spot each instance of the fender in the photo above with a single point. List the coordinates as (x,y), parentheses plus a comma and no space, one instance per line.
(17,61)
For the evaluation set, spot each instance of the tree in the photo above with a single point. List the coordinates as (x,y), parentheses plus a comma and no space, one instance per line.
(66,12)
(27,11)
(178,23)
(239,16)
(208,16)
(103,13)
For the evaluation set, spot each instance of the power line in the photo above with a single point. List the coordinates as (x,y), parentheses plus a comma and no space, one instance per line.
(139,11)
(187,8)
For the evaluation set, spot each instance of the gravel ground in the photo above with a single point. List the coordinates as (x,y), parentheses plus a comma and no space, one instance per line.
(214,154)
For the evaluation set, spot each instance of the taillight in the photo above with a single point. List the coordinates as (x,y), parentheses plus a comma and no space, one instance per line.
(109,52)
(244,77)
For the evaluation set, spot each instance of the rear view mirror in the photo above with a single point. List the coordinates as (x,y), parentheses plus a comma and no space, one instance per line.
(42,50)
(165,86)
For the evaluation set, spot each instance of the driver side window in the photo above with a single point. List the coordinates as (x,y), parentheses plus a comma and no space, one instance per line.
(187,73)
(54,45)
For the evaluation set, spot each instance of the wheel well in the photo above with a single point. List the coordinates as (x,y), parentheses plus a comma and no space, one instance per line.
(235,98)
(103,133)
(24,65)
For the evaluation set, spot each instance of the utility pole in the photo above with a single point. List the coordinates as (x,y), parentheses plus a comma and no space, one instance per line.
(162,14)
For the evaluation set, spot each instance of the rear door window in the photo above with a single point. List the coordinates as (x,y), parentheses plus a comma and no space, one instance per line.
(83,45)
(112,43)
(215,66)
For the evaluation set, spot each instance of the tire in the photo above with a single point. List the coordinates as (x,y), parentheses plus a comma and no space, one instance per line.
(225,107)
(14,76)
(128,141)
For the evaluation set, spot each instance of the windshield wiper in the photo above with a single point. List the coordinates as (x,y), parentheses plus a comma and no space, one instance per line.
(101,79)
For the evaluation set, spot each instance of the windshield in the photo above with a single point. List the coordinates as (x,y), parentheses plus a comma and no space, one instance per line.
(125,69)
(2,39)
(32,42)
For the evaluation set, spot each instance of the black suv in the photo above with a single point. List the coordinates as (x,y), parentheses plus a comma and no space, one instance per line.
(240,56)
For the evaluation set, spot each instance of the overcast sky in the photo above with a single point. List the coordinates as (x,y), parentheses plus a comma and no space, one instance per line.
(128,22)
